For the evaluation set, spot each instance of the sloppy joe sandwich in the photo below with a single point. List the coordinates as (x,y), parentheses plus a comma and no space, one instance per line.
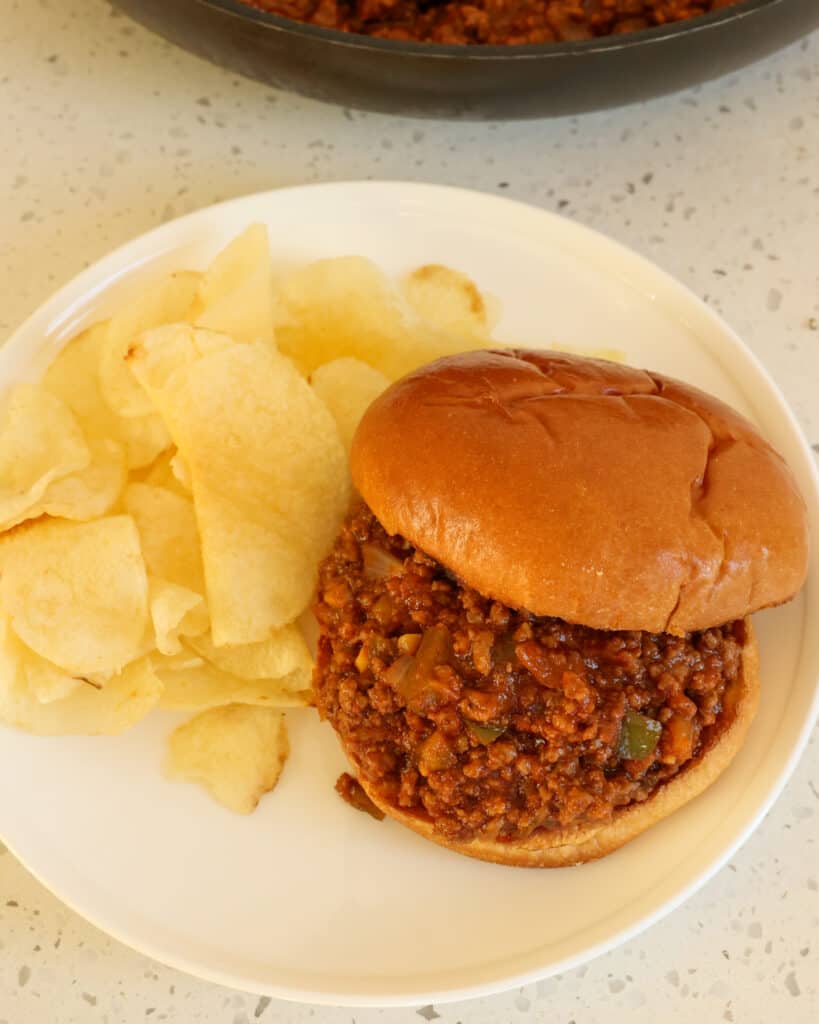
(534,630)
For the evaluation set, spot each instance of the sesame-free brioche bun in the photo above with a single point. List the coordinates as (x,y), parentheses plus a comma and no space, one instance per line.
(599,494)
(583,489)
(578,844)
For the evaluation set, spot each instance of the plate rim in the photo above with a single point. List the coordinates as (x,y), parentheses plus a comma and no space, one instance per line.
(55,314)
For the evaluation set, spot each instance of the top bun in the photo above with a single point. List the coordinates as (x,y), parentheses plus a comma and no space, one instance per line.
(583,489)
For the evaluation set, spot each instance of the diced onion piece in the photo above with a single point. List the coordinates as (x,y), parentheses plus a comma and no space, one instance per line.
(408,643)
(435,649)
(378,563)
(414,677)
(398,672)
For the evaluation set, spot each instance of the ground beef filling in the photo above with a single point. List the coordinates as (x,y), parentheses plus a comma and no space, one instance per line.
(490,721)
(494,22)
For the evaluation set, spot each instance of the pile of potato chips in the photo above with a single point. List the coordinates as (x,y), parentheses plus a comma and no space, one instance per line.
(168,490)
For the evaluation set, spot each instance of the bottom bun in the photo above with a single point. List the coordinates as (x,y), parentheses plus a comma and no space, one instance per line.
(576,845)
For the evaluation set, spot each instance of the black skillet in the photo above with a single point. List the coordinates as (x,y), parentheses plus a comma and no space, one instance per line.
(432,80)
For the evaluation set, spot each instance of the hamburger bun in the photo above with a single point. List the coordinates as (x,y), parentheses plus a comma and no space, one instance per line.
(602,495)
(583,489)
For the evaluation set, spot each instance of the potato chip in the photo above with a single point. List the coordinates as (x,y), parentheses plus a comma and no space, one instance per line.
(181,472)
(90,492)
(184,659)
(175,612)
(160,474)
(427,345)
(73,377)
(169,471)
(85,710)
(236,752)
(122,702)
(156,355)
(447,300)
(191,686)
(182,410)
(77,592)
(269,477)
(40,441)
(339,307)
(347,386)
(236,294)
(144,437)
(45,681)
(231,267)
(164,302)
(347,307)
(168,534)
(280,654)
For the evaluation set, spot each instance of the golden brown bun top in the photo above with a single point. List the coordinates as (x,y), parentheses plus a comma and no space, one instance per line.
(583,489)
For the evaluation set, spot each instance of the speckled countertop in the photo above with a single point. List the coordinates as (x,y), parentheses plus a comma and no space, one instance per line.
(107,131)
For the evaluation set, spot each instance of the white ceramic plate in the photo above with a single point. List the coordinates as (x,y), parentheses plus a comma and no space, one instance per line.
(306,899)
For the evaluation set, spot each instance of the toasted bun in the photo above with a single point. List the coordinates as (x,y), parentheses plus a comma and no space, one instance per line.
(579,844)
(583,489)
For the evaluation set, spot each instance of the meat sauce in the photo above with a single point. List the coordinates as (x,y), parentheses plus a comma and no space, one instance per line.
(496,22)
(490,721)
(351,790)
